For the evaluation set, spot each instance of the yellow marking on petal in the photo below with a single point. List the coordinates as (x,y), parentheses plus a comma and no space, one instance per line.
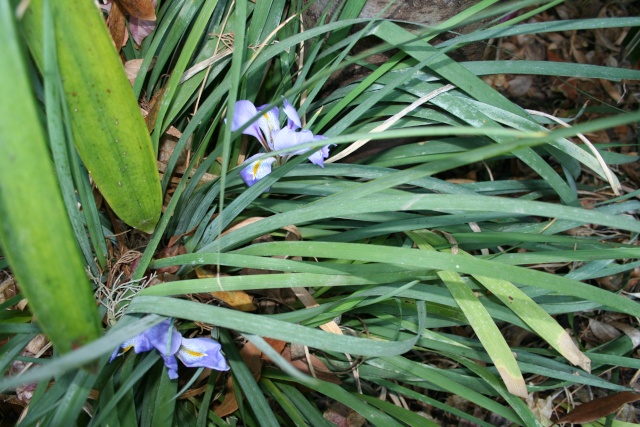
(193,353)
(127,348)
(256,166)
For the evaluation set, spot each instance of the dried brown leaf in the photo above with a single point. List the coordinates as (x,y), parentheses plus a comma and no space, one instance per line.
(277,345)
(252,357)
(132,67)
(117,26)
(242,223)
(611,89)
(320,370)
(155,103)
(142,9)
(174,239)
(239,300)
(341,415)
(167,252)
(229,405)
(141,28)
(598,408)
(603,331)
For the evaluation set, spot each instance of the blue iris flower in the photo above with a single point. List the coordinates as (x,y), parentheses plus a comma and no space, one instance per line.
(165,338)
(272,137)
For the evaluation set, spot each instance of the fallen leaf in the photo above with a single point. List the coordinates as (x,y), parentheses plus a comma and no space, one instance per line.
(520,85)
(174,239)
(167,252)
(168,144)
(542,408)
(598,408)
(611,89)
(603,331)
(132,67)
(36,345)
(242,223)
(140,28)
(229,405)
(240,300)
(142,9)
(341,415)
(320,370)
(155,102)
(117,26)
(252,357)
(277,346)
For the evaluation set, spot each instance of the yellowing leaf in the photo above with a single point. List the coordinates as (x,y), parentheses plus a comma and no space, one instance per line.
(239,300)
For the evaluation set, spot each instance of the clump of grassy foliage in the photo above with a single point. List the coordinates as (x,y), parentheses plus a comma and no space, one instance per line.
(369,267)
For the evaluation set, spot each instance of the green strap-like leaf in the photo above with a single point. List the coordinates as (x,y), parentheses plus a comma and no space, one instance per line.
(482,323)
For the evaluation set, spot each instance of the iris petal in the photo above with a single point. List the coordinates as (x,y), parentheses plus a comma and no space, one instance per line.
(269,124)
(256,170)
(293,119)
(163,337)
(288,138)
(125,346)
(272,137)
(242,114)
(202,353)
(172,366)
(141,343)
(318,157)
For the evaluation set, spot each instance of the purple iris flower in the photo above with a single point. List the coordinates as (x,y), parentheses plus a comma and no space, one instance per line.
(202,353)
(264,128)
(257,169)
(272,137)
(165,338)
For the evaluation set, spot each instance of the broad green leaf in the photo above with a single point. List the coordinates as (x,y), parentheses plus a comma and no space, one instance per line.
(35,232)
(108,129)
